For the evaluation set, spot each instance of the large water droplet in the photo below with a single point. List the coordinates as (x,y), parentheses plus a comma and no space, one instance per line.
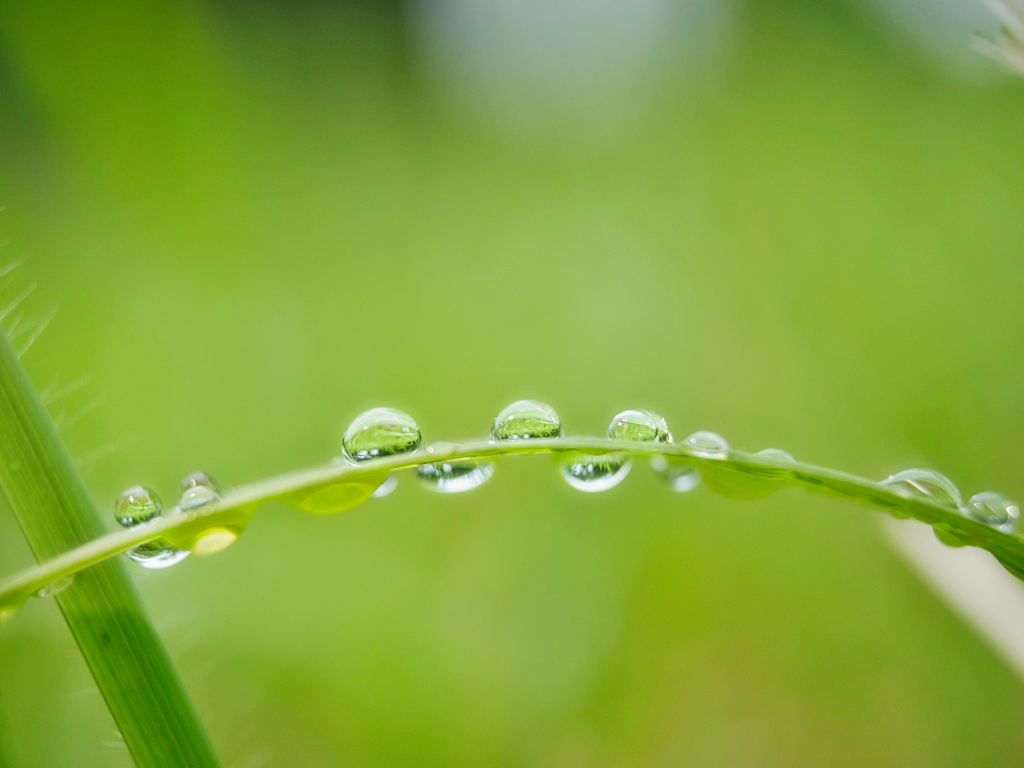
(993,509)
(455,476)
(56,586)
(925,484)
(526,420)
(639,426)
(593,473)
(380,432)
(386,488)
(138,505)
(680,477)
(707,445)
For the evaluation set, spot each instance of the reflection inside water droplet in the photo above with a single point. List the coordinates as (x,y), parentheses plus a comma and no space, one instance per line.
(455,476)
(526,420)
(380,432)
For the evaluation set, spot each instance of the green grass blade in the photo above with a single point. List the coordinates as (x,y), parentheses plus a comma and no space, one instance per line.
(736,475)
(102,607)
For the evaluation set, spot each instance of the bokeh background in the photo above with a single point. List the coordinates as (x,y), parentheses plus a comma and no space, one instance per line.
(796,223)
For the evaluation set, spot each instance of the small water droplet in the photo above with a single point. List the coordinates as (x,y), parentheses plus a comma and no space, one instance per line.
(925,484)
(639,426)
(56,586)
(385,488)
(526,420)
(707,445)
(380,432)
(777,455)
(949,539)
(455,476)
(593,473)
(199,480)
(993,509)
(194,497)
(681,478)
(134,507)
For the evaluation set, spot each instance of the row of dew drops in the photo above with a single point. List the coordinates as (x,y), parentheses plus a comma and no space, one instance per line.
(382,432)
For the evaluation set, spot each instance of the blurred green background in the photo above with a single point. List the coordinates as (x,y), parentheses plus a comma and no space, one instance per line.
(792,223)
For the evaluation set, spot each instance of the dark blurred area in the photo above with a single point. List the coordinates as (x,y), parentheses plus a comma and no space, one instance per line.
(796,224)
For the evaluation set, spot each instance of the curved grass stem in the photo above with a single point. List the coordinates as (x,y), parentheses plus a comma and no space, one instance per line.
(340,486)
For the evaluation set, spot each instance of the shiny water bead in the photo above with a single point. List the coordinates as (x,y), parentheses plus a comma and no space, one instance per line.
(593,473)
(925,484)
(526,420)
(707,445)
(380,432)
(56,586)
(777,455)
(639,426)
(135,506)
(993,509)
(197,480)
(386,488)
(681,478)
(455,476)
(197,496)
(158,553)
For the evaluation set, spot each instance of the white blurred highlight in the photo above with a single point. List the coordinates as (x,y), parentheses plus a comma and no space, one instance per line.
(972,582)
(942,30)
(565,63)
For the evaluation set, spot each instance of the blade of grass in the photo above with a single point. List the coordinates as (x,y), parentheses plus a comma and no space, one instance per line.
(102,607)
(233,511)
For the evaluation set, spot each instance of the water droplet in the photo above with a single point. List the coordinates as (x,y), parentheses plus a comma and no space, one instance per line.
(593,473)
(158,553)
(949,539)
(199,479)
(639,426)
(134,507)
(993,509)
(526,420)
(198,490)
(332,497)
(56,586)
(385,488)
(925,484)
(680,477)
(455,476)
(707,445)
(777,455)
(380,432)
